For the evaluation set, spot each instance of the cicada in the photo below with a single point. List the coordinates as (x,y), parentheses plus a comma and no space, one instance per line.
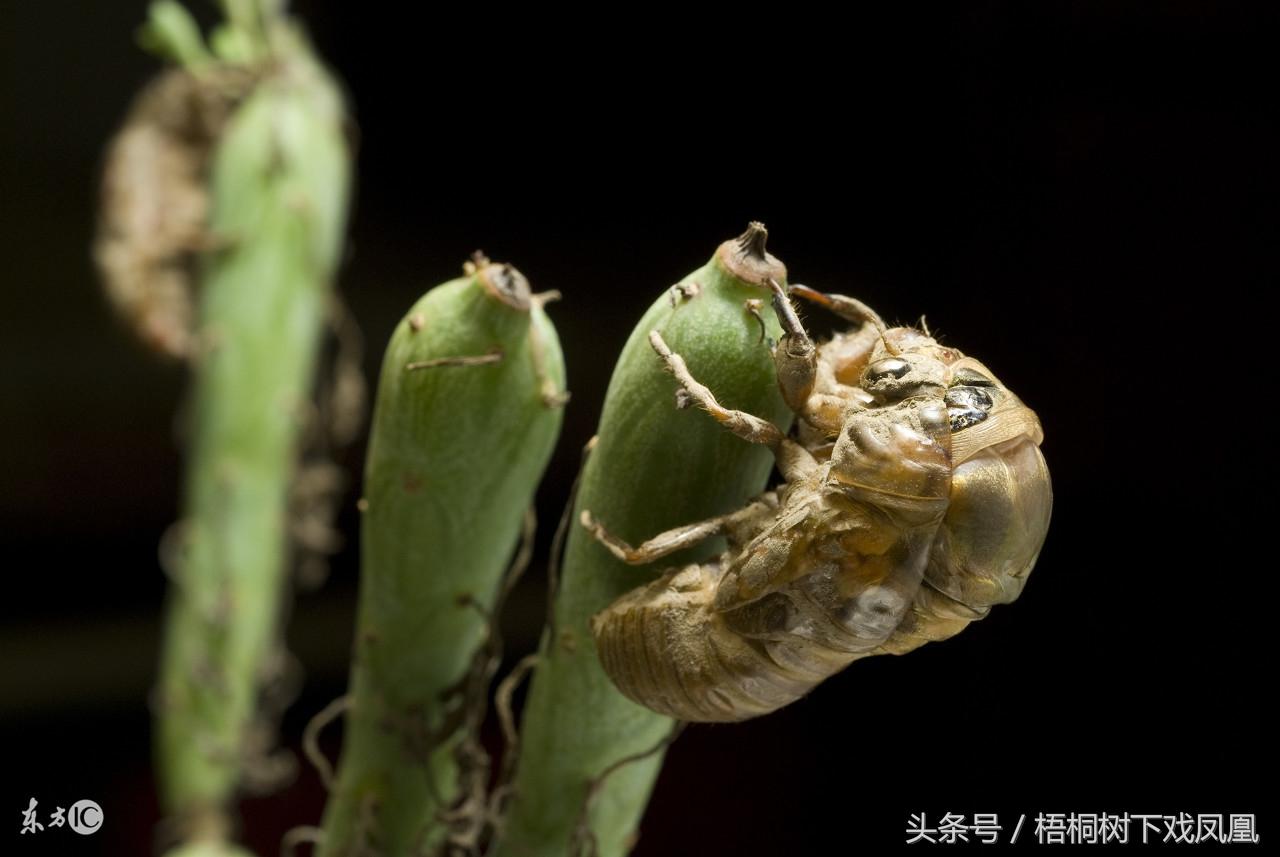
(914,498)
(154,202)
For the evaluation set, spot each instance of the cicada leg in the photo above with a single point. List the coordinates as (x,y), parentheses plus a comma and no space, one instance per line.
(796,357)
(746,426)
(847,308)
(805,374)
(679,538)
(794,461)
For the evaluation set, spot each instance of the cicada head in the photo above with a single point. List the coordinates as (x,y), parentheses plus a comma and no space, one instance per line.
(904,364)
(895,453)
(981,411)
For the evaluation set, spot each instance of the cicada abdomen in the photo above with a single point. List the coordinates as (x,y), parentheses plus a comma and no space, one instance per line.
(928,507)
(665,647)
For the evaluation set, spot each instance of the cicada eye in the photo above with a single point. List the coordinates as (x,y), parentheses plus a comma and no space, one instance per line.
(967,406)
(967,377)
(889,367)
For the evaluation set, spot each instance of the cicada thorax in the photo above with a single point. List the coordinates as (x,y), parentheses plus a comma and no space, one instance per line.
(872,523)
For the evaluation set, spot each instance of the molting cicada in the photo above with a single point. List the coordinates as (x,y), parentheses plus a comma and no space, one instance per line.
(154,202)
(914,498)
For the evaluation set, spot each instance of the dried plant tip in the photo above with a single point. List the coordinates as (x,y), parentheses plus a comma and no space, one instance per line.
(477,261)
(752,242)
(506,284)
(746,258)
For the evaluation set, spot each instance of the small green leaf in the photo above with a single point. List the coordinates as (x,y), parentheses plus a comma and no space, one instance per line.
(170,32)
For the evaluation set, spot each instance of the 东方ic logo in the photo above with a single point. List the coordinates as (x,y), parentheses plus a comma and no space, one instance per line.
(85,817)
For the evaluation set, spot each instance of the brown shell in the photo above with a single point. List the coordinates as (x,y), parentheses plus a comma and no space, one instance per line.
(892,540)
(154,202)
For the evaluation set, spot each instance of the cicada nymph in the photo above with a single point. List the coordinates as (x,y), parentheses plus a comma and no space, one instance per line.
(914,497)
(154,202)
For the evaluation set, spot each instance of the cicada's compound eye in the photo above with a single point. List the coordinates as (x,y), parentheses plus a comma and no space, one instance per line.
(891,379)
(967,406)
(888,369)
(969,377)
(968,398)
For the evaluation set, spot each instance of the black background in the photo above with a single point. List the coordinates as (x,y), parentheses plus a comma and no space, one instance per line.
(1075,194)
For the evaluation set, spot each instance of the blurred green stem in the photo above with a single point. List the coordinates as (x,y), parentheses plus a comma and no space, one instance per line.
(279,186)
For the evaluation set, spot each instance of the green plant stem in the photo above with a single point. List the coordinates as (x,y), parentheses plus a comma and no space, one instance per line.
(279,193)
(463,428)
(654,467)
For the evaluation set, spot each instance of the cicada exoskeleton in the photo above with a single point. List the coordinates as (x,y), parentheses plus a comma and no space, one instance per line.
(154,201)
(914,498)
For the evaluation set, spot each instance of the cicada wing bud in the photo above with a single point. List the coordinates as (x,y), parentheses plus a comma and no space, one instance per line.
(1001,500)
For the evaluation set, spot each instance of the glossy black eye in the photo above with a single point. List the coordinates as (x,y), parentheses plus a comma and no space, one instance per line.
(889,367)
(966,406)
(968,397)
(970,378)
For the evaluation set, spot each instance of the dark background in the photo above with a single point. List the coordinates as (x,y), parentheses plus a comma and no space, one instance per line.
(1075,194)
